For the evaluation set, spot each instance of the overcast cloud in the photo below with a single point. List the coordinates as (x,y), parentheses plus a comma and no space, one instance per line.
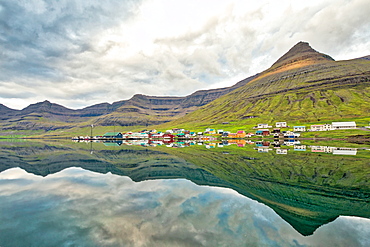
(78,53)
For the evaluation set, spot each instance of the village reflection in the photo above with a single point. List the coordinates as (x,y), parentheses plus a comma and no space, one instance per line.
(278,146)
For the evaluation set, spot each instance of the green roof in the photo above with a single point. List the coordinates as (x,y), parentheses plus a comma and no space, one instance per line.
(111,133)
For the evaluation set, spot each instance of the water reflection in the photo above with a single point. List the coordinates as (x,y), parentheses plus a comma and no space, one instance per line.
(279,146)
(82,208)
(306,190)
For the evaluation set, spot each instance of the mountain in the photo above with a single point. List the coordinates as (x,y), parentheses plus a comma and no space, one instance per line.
(299,55)
(303,85)
(139,110)
(366,57)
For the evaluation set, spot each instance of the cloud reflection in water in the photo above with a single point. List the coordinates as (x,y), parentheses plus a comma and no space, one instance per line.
(82,208)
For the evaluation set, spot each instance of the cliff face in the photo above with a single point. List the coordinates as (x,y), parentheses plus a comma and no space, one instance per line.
(139,110)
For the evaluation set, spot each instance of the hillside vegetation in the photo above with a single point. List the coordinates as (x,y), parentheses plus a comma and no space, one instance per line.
(305,87)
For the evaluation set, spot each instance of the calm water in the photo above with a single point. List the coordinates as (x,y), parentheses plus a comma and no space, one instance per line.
(77,194)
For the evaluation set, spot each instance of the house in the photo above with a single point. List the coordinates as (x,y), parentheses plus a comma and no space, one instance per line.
(161,136)
(249,135)
(276,130)
(321,149)
(263,126)
(210,131)
(281,125)
(263,132)
(177,130)
(240,134)
(113,135)
(263,149)
(299,128)
(321,127)
(343,125)
(211,145)
(232,135)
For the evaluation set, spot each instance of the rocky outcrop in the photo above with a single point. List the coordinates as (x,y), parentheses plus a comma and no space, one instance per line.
(301,52)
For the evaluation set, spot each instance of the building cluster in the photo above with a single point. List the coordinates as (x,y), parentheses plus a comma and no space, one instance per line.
(265,128)
(262,129)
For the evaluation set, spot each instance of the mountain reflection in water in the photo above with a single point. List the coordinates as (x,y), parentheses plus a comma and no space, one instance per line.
(83,208)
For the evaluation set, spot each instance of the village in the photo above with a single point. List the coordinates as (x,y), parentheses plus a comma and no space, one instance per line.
(280,130)
(285,138)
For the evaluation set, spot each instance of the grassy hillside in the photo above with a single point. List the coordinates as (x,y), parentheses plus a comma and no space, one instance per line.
(311,93)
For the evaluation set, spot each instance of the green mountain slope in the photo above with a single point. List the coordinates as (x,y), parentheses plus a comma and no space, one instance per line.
(303,85)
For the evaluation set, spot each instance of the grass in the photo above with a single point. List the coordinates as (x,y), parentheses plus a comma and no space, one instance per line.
(322,92)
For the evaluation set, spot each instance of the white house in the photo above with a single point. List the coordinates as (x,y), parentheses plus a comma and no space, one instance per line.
(263,149)
(321,149)
(321,127)
(344,125)
(281,125)
(299,128)
(263,126)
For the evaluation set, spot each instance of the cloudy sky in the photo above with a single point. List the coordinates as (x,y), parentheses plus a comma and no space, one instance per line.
(76,207)
(78,53)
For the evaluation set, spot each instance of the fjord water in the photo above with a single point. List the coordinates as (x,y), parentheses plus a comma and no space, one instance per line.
(90,194)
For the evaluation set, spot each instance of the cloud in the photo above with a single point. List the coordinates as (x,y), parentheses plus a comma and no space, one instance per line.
(92,52)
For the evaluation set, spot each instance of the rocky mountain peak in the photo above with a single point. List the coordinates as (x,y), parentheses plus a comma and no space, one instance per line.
(301,53)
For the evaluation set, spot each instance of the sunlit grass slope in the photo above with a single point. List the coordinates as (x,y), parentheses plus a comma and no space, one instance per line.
(324,91)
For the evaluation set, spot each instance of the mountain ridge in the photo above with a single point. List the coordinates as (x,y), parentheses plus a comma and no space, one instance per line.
(300,78)
(138,110)
(324,89)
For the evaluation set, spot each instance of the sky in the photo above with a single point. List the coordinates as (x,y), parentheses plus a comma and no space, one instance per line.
(76,207)
(78,53)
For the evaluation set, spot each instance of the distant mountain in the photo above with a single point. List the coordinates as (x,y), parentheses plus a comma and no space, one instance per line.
(139,110)
(303,85)
(366,57)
